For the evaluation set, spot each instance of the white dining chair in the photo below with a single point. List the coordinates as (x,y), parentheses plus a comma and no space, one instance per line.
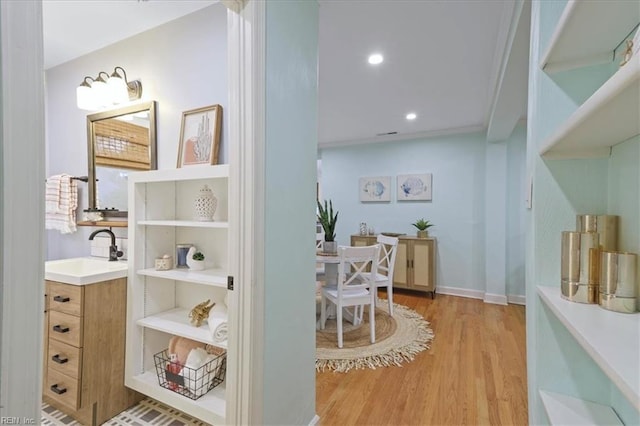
(386,265)
(354,287)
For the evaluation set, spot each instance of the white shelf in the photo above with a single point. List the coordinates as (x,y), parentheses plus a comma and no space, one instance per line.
(610,116)
(612,339)
(575,43)
(213,277)
(210,407)
(176,322)
(184,223)
(566,410)
(186,173)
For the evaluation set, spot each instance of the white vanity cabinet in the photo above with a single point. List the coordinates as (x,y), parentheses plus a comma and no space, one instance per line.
(161,215)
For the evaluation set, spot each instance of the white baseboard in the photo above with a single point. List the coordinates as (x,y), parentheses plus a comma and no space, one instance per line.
(517,299)
(462,292)
(314,421)
(479,294)
(496,299)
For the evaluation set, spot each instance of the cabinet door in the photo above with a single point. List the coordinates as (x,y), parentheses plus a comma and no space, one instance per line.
(361,241)
(422,265)
(401,271)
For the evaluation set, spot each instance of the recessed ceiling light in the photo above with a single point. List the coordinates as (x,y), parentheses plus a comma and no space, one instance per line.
(411,116)
(376,59)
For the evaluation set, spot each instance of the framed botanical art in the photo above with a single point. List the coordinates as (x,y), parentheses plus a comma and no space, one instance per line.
(200,136)
(416,187)
(372,189)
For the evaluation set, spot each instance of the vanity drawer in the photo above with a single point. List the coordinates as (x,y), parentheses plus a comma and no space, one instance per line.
(63,389)
(65,298)
(65,328)
(65,358)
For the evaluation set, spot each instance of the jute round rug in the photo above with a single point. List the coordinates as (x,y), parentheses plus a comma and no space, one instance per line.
(398,339)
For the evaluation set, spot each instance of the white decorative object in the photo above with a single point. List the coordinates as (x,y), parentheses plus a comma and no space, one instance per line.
(164,263)
(374,189)
(414,187)
(205,205)
(194,265)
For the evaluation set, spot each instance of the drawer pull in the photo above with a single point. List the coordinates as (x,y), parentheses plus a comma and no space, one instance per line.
(61,299)
(58,390)
(59,360)
(60,329)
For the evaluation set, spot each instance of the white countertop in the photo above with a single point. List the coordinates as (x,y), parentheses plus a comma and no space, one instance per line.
(84,270)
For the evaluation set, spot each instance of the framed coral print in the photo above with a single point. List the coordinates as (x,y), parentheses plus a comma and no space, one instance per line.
(200,136)
(374,189)
(416,187)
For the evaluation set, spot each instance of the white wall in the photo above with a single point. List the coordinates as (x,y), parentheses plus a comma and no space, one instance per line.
(458,208)
(182,66)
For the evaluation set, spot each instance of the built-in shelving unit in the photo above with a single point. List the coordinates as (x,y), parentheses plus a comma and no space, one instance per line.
(577,40)
(176,322)
(161,215)
(587,33)
(565,410)
(214,277)
(610,116)
(617,353)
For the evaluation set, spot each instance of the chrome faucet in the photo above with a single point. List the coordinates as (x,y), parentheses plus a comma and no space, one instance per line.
(114,253)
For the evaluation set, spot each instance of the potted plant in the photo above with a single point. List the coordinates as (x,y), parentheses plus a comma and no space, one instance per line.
(328,220)
(423,226)
(195,259)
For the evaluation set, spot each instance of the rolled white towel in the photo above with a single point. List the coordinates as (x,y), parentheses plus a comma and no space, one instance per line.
(218,322)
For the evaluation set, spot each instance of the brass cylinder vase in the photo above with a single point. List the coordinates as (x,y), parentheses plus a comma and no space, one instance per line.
(579,267)
(605,225)
(618,281)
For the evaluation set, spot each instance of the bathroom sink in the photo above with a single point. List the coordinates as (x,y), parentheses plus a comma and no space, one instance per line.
(84,270)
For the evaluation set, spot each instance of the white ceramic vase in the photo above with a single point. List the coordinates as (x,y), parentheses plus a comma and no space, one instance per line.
(205,205)
(194,265)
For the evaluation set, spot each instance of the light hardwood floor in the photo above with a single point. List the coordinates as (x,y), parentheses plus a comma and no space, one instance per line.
(474,373)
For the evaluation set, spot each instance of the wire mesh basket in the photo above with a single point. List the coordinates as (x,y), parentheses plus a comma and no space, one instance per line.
(190,382)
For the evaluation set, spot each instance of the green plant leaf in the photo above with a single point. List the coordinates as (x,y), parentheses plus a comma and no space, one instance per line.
(327,219)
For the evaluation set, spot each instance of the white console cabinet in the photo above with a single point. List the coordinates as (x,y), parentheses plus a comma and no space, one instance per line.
(161,215)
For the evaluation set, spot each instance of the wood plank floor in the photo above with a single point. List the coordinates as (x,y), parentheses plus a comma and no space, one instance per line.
(474,373)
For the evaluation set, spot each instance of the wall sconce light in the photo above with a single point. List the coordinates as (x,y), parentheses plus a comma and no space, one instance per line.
(106,90)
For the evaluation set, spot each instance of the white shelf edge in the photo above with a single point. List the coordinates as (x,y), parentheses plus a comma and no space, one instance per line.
(591,326)
(573,33)
(212,277)
(220,171)
(184,223)
(628,75)
(567,410)
(211,407)
(176,322)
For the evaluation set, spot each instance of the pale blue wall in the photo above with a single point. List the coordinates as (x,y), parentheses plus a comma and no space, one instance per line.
(516,207)
(458,164)
(623,199)
(290,178)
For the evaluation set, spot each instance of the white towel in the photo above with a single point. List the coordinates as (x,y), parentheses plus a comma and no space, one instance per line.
(61,201)
(197,379)
(218,322)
